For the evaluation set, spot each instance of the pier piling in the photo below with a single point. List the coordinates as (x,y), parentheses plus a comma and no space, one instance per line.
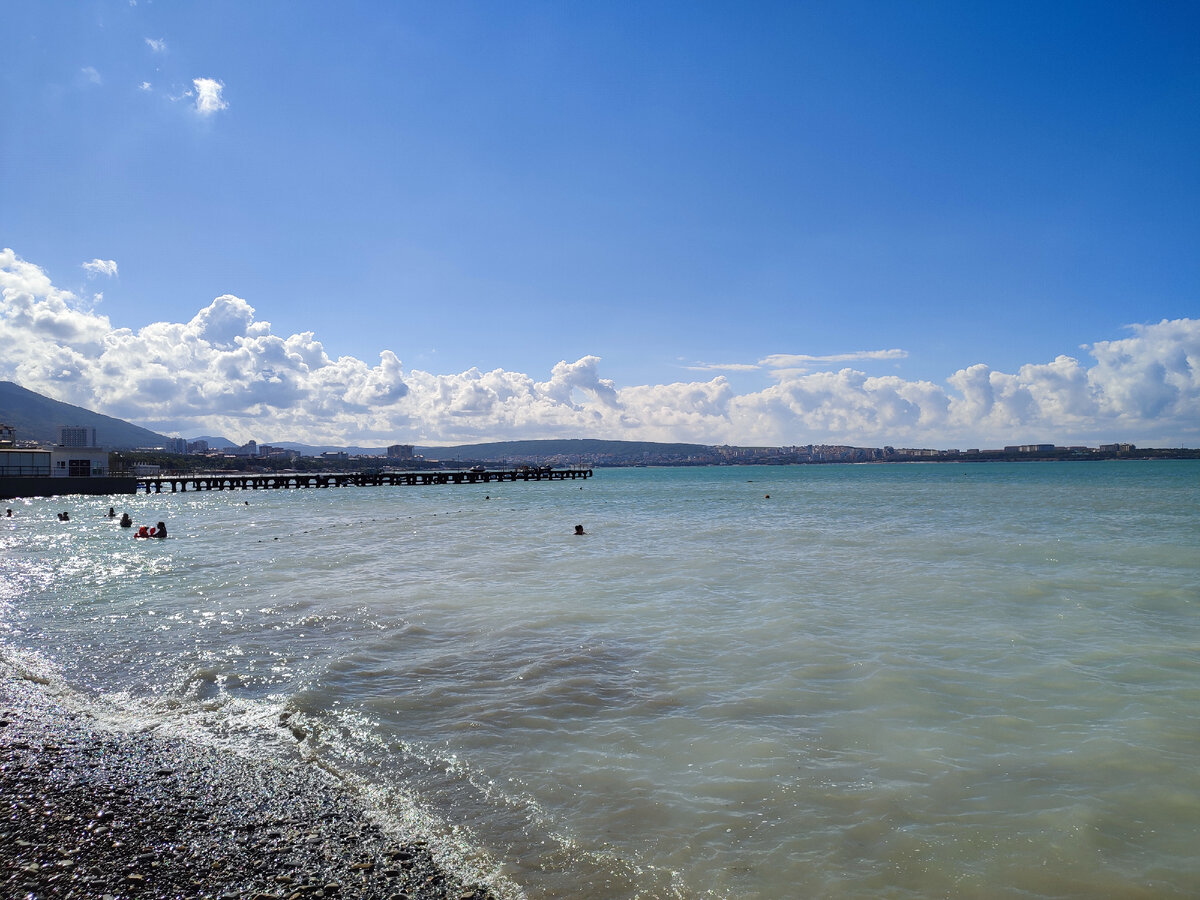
(290,480)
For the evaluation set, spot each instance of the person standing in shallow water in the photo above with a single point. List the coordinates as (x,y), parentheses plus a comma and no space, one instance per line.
(125,522)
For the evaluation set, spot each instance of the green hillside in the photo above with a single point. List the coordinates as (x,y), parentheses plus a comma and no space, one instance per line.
(38,418)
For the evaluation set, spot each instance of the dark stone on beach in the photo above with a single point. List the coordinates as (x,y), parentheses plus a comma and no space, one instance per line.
(90,812)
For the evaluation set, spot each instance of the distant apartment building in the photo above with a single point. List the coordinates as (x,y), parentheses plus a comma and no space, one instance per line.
(197,447)
(1029,448)
(269,452)
(76,436)
(176,445)
(250,448)
(400,451)
(1117,448)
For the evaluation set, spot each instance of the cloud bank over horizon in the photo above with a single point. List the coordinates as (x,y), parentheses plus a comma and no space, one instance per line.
(224,372)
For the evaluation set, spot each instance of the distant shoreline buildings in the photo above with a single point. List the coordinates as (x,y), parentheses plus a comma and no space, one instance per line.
(632,453)
(78,453)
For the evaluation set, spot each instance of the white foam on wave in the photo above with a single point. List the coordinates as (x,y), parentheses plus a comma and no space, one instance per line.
(255,729)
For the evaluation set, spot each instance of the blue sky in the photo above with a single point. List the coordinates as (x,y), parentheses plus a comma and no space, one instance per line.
(749,223)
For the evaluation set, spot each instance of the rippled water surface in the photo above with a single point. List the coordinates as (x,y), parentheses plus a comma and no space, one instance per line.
(877,681)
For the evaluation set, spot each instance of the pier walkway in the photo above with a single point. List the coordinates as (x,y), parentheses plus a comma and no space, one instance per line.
(285,480)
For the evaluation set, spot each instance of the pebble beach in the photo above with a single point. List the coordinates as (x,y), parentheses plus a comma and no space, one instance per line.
(88,811)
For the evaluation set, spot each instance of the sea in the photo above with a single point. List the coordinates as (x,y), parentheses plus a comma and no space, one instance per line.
(975,680)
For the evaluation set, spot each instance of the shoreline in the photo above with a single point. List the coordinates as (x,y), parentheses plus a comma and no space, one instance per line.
(88,811)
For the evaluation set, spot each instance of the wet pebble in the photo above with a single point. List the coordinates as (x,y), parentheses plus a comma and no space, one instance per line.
(87,812)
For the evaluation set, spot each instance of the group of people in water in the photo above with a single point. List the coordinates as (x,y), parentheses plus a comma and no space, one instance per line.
(144,531)
(159,530)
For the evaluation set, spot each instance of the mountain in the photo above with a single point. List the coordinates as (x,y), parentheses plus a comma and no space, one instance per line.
(38,418)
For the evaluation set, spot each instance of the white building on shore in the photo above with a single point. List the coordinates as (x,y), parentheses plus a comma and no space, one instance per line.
(61,469)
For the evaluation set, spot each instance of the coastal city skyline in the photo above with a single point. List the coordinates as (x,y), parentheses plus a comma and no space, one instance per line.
(932,226)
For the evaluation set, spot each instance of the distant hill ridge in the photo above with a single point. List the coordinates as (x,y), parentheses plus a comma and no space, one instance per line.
(35,417)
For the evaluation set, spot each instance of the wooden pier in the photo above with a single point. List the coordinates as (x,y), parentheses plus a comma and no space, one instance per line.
(286,480)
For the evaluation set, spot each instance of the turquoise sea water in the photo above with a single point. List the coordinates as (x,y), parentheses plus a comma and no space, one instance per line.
(878,681)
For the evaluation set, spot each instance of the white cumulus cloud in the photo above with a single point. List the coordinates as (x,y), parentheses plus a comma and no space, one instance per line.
(208,96)
(225,372)
(101,267)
